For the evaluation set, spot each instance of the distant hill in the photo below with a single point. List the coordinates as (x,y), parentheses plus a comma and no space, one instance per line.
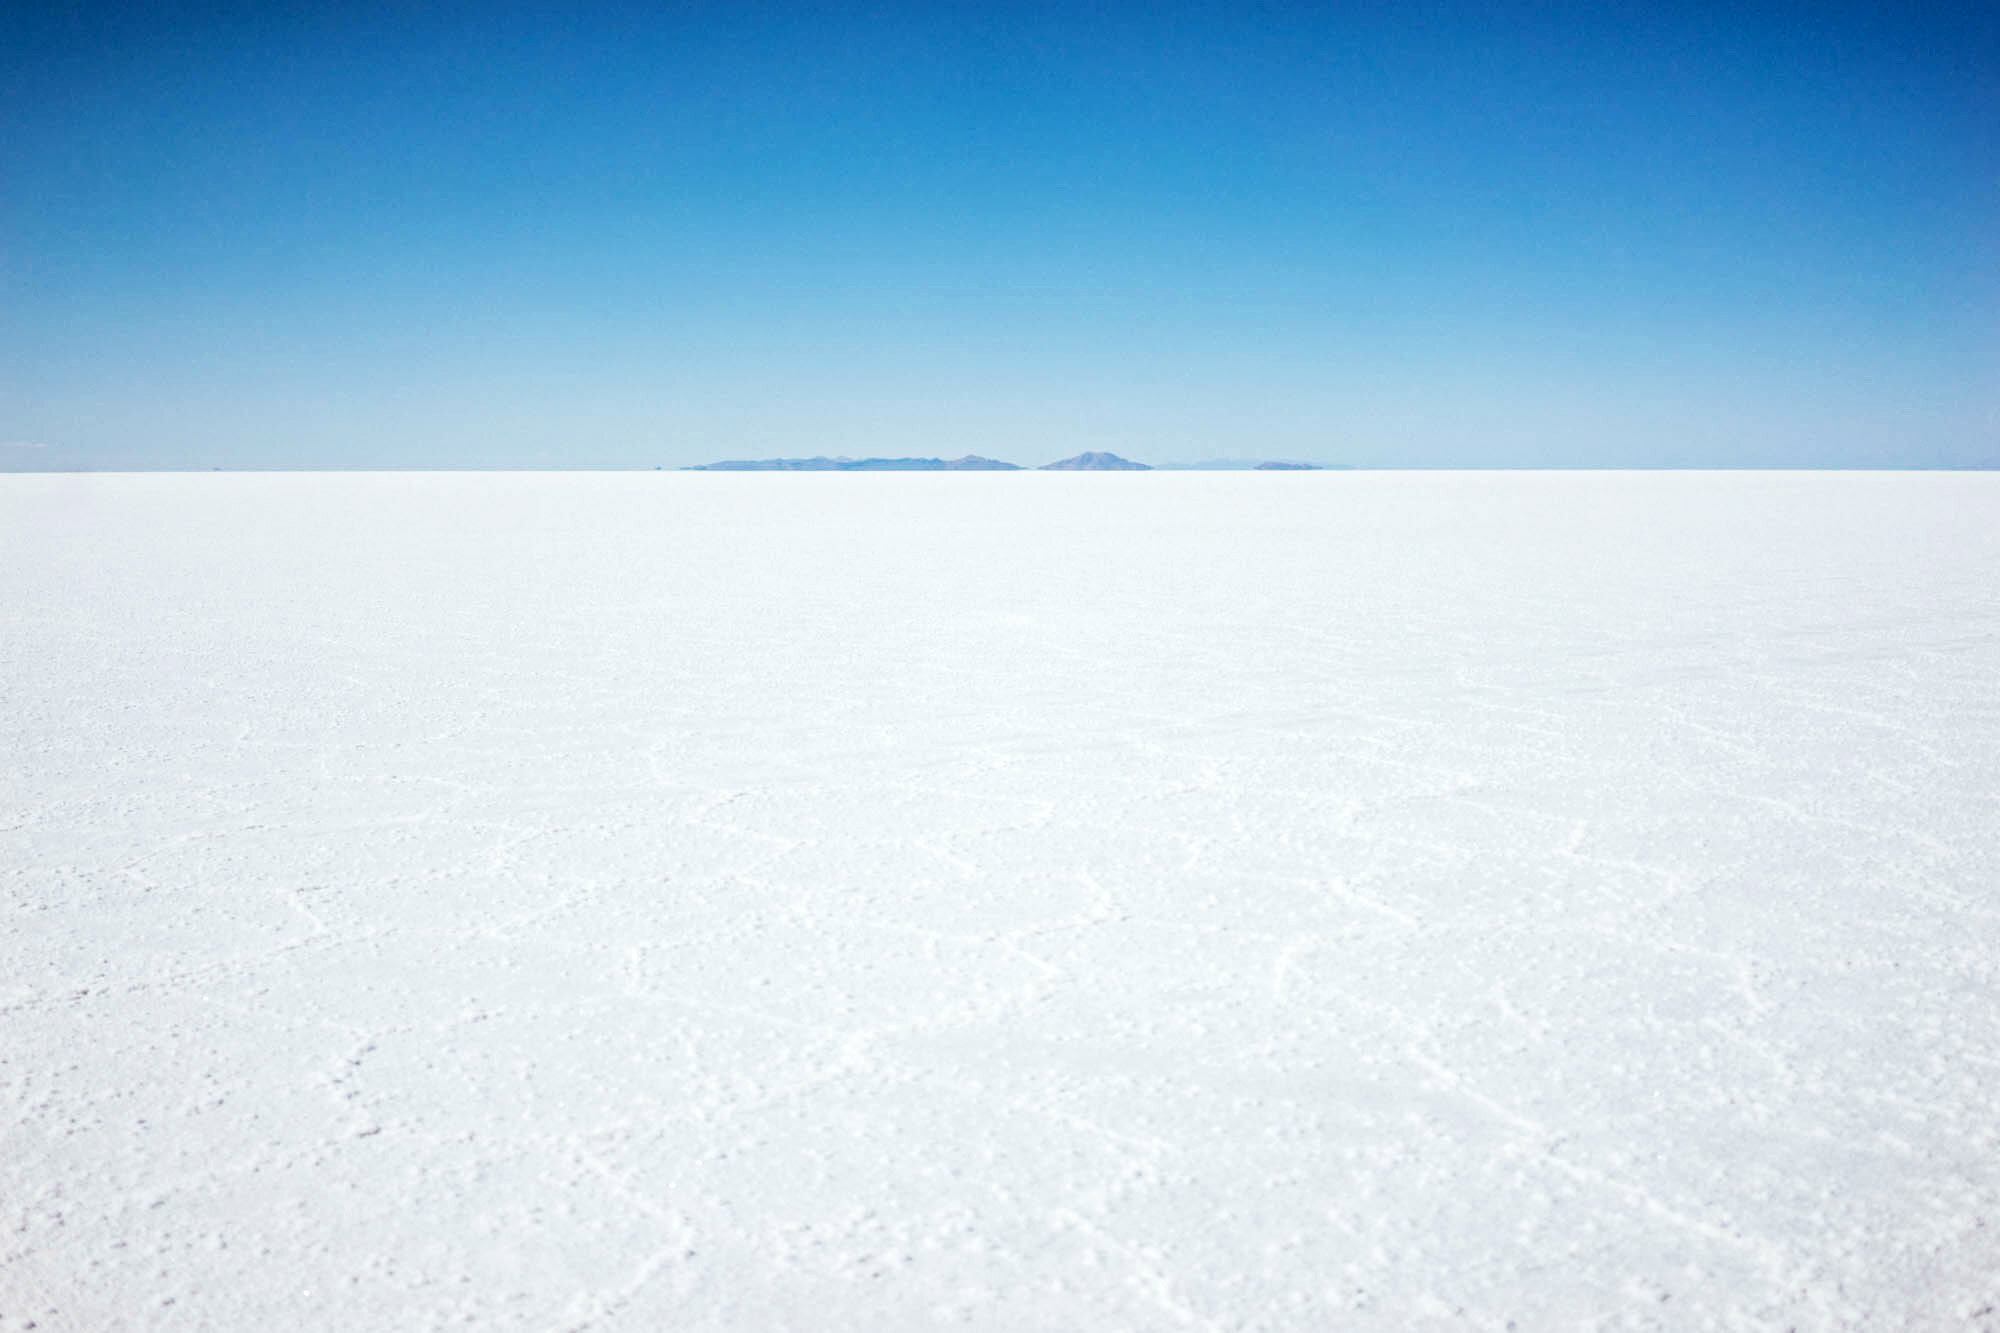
(1096,462)
(969,463)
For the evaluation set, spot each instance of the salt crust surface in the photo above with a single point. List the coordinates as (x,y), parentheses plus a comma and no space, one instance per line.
(1214,901)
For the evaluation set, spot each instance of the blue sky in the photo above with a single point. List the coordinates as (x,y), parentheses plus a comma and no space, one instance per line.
(1389,236)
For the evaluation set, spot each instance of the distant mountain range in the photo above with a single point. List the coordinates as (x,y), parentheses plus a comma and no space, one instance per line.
(1092,461)
(1096,462)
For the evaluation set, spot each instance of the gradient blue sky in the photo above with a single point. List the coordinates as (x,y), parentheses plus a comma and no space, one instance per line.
(1408,236)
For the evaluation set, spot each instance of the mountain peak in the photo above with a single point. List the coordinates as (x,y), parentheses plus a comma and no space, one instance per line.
(1094,461)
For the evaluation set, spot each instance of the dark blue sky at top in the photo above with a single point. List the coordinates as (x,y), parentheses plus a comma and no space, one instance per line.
(1413,236)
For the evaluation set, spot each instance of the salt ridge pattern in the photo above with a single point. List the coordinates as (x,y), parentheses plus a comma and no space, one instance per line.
(1215,901)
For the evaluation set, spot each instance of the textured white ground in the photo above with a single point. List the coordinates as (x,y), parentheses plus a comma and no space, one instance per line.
(1240,901)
